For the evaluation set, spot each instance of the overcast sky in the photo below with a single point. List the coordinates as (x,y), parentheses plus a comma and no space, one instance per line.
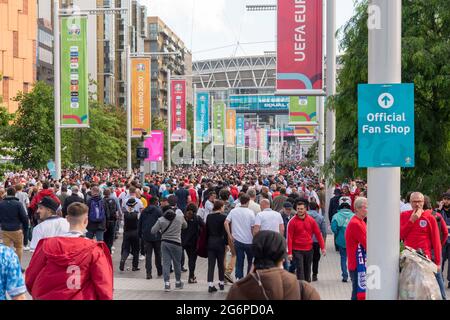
(207,25)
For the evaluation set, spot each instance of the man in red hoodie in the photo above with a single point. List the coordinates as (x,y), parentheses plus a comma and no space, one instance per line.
(301,228)
(71,267)
(356,234)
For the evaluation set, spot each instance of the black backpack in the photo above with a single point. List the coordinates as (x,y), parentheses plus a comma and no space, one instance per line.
(110,209)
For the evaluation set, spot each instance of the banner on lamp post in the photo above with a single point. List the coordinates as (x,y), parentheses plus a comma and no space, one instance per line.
(178,101)
(74,73)
(155,145)
(302,111)
(299,47)
(219,123)
(140,97)
(231,128)
(202,118)
(240,131)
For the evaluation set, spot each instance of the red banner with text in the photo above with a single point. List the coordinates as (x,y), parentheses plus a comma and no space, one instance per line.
(178,101)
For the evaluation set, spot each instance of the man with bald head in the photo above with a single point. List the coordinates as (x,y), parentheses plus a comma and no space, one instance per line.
(268,219)
(419,230)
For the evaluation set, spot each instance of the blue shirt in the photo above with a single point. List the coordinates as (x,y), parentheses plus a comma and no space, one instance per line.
(11,278)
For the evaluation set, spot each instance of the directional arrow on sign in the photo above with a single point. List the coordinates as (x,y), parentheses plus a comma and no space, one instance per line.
(386,100)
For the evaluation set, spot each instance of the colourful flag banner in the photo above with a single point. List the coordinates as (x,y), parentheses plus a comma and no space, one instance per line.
(202,118)
(219,123)
(231,128)
(140,97)
(155,145)
(303,111)
(178,101)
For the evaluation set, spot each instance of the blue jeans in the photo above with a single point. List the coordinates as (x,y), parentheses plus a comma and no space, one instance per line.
(343,254)
(98,235)
(440,281)
(242,249)
(354,277)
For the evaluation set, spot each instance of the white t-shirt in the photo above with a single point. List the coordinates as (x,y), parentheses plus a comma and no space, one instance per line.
(269,220)
(256,208)
(242,220)
(52,227)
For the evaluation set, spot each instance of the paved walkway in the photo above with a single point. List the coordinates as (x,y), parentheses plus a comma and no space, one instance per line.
(129,285)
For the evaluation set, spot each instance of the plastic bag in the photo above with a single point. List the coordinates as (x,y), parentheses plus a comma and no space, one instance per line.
(417,277)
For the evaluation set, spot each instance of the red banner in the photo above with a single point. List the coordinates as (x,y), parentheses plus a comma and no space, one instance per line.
(299,47)
(178,101)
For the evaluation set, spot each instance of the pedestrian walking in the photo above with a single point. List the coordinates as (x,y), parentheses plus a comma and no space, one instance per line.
(314,213)
(216,242)
(97,215)
(170,226)
(339,225)
(301,229)
(242,220)
(152,242)
(189,238)
(130,241)
(70,266)
(13,222)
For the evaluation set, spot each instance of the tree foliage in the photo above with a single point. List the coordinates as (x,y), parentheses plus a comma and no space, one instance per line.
(425,56)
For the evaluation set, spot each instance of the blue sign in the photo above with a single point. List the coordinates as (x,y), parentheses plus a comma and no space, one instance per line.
(202,118)
(259,103)
(51,166)
(385,125)
(240,131)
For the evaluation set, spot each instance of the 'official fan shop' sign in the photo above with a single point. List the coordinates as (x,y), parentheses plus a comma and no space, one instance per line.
(299,47)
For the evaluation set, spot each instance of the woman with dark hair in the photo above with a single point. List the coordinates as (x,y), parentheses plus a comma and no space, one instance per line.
(216,242)
(189,237)
(268,280)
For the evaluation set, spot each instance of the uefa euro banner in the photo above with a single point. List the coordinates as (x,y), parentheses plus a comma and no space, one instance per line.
(240,131)
(140,97)
(155,145)
(253,137)
(218,123)
(230,130)
(304,131)
(299,47)
(303,111)
(74,73)
(178,98)
(202,118)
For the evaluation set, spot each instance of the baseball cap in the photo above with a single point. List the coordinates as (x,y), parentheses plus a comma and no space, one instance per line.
(49,203)
(345,200)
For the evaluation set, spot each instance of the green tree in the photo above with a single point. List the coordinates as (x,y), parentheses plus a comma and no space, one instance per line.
(33,129)
(103,144)
(425,56)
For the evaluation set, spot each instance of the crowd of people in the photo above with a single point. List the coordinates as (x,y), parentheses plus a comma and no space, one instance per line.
(274,220)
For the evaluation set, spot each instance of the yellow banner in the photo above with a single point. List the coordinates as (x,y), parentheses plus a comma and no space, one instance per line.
(231,128)
(140,97)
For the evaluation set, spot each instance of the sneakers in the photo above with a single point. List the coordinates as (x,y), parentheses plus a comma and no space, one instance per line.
(135,269)
(167,287)
(345,280)
(141,258)
(314,277)
(122,265)
(179,285)
(149,276)
(221,287)
(192,280)
(183,269)
(159,274)
(228,278)
(27,248)
(212,289)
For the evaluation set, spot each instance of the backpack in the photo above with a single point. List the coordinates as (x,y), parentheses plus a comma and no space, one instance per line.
(110,209)
(96,211)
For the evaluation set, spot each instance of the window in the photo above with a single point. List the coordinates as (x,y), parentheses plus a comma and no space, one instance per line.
(15,44)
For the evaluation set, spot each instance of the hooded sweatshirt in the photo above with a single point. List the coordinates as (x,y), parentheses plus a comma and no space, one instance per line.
(339,225)
(65,268)
(172,233)
(277,284)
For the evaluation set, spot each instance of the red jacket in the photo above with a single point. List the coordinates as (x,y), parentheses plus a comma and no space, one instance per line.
(41,195)
(70,269)
(194,198)
(300,232)
(234,192)
(423,234)
(356,233)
